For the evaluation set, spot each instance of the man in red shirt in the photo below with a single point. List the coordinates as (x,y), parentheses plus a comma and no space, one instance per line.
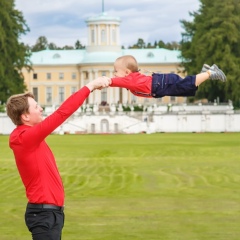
(158,85)
(35,161)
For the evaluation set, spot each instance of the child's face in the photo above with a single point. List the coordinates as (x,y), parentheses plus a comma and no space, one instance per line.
(119,70)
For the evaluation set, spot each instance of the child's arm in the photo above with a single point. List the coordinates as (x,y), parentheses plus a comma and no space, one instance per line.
(138,85)
(135,82)
(122,82)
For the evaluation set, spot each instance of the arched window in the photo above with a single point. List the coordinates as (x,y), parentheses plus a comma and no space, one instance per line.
(104,126)
(56,55)
(150,55)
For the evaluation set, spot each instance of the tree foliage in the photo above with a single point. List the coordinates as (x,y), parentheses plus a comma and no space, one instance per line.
(13,54)
(42,44)
(213,37)
(78,45)
(140,44)
(160,44)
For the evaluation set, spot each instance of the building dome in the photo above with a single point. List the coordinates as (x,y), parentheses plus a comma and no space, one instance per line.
(103,33)
(103,17)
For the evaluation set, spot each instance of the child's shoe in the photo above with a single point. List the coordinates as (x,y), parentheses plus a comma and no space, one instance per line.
(214,72)
(205,67)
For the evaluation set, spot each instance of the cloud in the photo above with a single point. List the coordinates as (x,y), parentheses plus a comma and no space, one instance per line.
(63,22)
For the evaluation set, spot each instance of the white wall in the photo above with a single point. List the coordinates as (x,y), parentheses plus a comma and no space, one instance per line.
(141,122)
(6,125)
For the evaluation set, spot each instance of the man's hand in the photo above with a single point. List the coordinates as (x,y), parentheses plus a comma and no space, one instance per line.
(99,83)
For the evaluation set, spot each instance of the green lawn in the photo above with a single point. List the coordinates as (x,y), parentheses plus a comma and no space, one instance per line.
(127,187)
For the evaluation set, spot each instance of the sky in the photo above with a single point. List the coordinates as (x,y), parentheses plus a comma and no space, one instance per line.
(63,21)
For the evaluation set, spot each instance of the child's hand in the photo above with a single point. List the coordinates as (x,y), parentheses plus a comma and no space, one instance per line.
(99,83)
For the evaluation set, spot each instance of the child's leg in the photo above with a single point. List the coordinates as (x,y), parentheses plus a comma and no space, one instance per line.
(201,77)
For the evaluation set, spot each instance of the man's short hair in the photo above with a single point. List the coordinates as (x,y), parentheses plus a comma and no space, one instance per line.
(17,105)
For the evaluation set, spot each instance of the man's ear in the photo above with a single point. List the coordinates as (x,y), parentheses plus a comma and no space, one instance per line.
(25,117)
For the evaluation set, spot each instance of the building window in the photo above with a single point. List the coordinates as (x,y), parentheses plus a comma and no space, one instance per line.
(86,76)
(61,94)
(93,128)
(35,76)
(104,126)
(172,99)
(49,76)
(104,73)
(49,95)
(35,93)
(56,55)
(61,75)
(104,96)
(115,127)
(150,55)
(103,36)
(74,75)
(73,89)
(134,99)
(120,95)
(93,36)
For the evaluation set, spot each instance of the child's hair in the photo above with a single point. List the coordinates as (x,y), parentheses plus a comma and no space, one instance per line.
(17,105)
(129,62)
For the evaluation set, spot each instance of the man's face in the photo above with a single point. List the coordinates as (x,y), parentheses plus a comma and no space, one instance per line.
(34,115)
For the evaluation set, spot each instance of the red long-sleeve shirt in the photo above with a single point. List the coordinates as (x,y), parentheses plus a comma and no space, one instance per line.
(137,83)
(34,159)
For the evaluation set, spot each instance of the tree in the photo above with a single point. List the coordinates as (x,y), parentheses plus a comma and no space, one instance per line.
(52,46)
(161,44)
(13,54)
(41,44)
(78,45)
(213,37)
(140,44)
(67,47)
(173,45)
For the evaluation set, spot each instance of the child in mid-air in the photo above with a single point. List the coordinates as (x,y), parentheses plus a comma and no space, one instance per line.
(158,85)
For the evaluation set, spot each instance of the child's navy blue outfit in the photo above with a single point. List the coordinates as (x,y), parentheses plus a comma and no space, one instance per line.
(158,85)
(173,85)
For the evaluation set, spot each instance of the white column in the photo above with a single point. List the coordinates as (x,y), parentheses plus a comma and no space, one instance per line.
(97,93)
(113,96)
(90,79)
(116,93)
(81,79)
(110,91)
(125,95)
(99,35)
(109,41)
(117,35)
(89,35)
(95,35)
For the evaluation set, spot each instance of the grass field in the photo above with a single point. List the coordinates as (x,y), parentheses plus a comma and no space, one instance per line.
(131,187)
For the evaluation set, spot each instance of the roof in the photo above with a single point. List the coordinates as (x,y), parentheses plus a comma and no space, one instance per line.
(81,56)
(57,57)
(103,17)
(154,55)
